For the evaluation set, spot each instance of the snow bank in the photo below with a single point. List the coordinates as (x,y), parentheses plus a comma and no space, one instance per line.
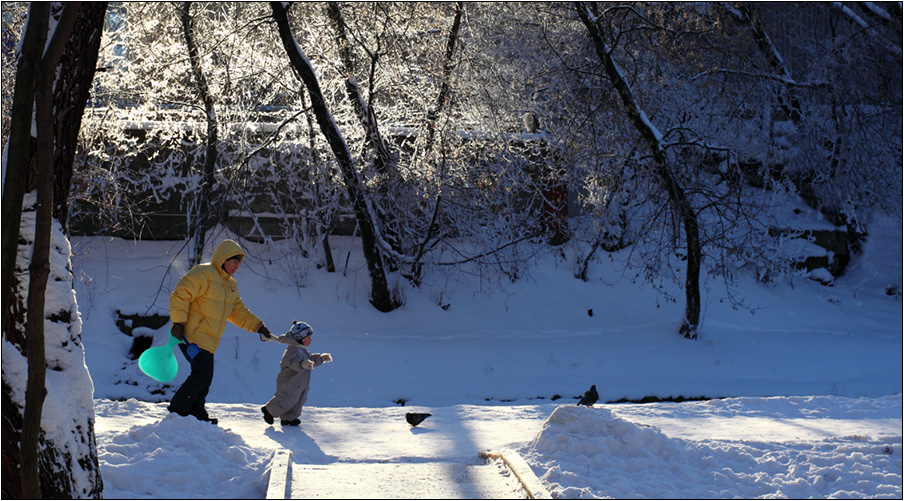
(591,453)
(177,457)
(68,412)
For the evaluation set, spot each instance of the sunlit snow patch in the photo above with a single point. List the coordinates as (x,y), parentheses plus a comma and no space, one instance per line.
(589,453)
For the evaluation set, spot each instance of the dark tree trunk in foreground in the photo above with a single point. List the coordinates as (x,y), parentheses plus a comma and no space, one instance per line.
(40,260)
(20,151)
(35,465)
(380,296)
(19,156)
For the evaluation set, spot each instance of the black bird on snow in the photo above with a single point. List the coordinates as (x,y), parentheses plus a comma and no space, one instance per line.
(416,418)
(589,397)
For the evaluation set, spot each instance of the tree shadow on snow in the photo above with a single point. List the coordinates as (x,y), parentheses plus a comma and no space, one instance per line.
(303,448)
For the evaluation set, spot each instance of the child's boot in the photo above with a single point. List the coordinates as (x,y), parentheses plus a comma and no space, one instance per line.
(267,417)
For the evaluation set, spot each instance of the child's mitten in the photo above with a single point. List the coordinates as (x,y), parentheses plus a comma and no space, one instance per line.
(326,357)
(307,364)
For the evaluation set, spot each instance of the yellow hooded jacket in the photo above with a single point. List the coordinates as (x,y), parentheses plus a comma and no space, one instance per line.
(206,297)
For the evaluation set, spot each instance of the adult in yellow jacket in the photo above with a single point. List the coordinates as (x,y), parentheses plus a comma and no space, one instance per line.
(203,301)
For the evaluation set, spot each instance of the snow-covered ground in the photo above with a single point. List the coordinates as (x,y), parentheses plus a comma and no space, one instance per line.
(813,376)
(793,447)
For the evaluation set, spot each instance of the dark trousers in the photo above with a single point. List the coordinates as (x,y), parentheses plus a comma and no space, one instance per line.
(192,395)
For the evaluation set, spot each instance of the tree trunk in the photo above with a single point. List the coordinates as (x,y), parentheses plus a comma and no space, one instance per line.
(20,151)
(35,465)
(198,229)
(677,196)
(380,296)
(326,220)
(443,95)
(40,260)
(80,57)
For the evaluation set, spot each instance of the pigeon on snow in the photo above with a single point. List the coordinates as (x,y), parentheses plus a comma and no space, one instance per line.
(416,418)
(589,397)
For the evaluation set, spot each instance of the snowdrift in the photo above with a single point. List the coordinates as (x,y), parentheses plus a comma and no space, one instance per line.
(591,453)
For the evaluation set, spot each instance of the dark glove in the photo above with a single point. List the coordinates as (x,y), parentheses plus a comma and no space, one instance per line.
(178,331)
(264,333)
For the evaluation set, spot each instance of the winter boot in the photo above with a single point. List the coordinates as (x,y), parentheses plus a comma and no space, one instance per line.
(173,410)
(208,419)
(267,416)
(203,416)
(294,422)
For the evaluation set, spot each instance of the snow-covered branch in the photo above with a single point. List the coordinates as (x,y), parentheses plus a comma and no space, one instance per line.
(784,80)
(859,21)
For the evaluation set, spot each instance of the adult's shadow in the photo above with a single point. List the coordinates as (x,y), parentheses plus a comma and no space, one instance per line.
(304,449)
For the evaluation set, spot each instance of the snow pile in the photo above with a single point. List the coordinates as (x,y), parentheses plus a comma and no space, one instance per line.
(68,410)
(591,453)
(175,457)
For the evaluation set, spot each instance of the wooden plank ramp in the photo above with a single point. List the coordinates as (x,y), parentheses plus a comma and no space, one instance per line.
(501,475)
(280,471)
(519,467)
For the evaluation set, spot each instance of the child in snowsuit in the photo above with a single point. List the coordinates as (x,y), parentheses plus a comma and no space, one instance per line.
(294,377)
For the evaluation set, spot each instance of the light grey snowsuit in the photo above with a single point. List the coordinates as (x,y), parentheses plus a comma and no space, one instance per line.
(292,383)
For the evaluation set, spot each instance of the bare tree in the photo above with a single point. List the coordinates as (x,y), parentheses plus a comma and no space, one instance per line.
(837,72)
(198,229)
(408,243)
(58,88)
(381,297)
(383,162)
(672,185)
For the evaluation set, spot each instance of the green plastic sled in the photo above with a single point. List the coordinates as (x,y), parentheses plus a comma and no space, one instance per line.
(159,362)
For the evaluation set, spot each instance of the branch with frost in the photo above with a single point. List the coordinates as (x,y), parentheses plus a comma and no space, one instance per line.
(766,76)
(272,137)
(859,21)
(649,131)
(467,259)
(874,10)
(744,15)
